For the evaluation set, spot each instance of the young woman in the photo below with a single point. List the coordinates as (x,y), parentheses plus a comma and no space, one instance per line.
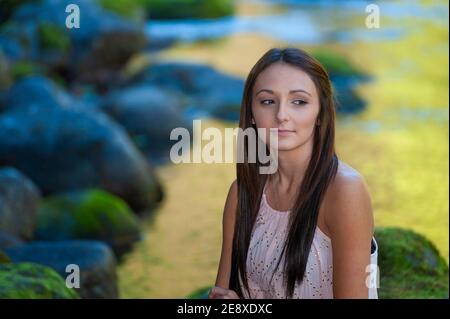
(305,231)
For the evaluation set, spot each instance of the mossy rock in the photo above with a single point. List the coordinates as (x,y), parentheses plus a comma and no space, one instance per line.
(336,64)
(201,293)
(410,265)
(408,251)
(88,214)
(95,259)
(4,259)
(187,9)
(32,281)
(52,36)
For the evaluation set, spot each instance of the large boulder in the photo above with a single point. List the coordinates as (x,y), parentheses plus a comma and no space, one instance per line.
(149,114)
(88,214)
(96,262)
(32,281)
(94,52)
(39,91)
(94,20)
(410,265)
(204,87)
(74,147)
(19,201)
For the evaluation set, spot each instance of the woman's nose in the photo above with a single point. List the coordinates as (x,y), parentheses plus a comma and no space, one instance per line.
(282,113)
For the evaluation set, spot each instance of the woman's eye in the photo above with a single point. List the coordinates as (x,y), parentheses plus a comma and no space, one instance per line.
(267,102)
(299,102)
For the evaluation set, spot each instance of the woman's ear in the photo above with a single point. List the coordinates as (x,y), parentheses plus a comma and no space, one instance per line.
(253,121)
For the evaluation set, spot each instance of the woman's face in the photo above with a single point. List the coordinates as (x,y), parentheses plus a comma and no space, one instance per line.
(286,98)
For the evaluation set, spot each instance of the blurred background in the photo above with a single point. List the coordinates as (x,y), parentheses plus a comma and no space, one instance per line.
(86,114)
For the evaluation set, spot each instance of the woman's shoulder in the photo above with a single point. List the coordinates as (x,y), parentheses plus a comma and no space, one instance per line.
(347,197)
(346,181)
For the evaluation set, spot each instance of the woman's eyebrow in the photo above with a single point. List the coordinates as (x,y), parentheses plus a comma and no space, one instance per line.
(290,92)
(264,90)
(299,90)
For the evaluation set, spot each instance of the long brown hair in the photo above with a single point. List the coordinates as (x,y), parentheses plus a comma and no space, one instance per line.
(321,170)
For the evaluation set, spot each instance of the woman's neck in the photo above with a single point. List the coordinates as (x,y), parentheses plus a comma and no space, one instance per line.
(292,167)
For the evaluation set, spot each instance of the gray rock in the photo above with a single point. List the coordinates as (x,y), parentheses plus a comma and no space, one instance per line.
(210,90)
(95,52)
(39,91)
(94,20)
(19,201)
(149,114)
(95,260)
(74,147)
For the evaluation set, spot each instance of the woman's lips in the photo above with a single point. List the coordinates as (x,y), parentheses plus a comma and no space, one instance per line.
(283,132)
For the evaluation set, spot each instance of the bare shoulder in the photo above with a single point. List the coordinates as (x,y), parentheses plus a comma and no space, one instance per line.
(348,199)
(347,184)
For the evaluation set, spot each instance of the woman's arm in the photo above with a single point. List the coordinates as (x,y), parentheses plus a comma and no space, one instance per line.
(350,222)
(229,216)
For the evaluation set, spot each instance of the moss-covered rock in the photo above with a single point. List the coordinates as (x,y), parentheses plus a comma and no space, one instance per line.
(95,260)
(4,259)
(410,265)
(88,214)
(182,9)
(32,281)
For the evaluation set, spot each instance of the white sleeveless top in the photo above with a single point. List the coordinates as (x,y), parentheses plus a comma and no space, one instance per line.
(266,243)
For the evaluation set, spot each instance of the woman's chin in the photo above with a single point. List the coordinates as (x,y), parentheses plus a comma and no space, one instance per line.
(285,146)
